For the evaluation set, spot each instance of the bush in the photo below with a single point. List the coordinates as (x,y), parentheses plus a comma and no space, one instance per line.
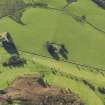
(70,1)
(101,3)
(89,85)
(101,90)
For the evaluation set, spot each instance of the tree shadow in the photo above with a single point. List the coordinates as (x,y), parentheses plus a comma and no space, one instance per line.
(52,50)
(63,52)
(15,61)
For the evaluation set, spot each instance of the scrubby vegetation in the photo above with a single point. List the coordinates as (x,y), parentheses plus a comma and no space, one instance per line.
(38,93)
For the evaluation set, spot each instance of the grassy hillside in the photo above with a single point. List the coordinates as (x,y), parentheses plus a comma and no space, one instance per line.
(84,40)
(84,43)
(60,74)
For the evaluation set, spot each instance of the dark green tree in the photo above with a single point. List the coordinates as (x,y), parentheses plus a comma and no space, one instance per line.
(69,2)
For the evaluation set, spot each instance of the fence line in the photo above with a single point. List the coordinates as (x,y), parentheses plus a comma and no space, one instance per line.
(72,62)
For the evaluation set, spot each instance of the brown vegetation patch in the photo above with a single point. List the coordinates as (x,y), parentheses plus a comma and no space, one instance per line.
(32,90)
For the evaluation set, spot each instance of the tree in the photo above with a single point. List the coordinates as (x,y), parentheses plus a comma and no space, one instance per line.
(83,18)
(70,1)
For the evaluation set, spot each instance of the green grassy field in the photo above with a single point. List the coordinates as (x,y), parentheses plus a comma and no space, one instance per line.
(66,76)
(84,42)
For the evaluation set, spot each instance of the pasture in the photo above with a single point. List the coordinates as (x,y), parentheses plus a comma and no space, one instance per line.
(85,42)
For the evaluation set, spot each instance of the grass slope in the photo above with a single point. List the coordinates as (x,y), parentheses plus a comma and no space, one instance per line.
(42,65)
(83,41)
